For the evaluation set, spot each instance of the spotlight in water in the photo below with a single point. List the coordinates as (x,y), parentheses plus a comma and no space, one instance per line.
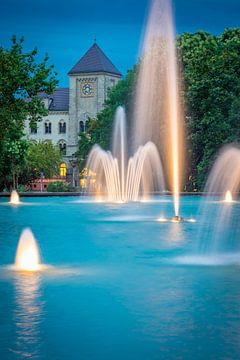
(14,198)
(191,220)
(162,219)
(228,197)
(27,255)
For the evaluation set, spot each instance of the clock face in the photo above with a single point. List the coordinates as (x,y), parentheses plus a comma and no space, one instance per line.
(87,89)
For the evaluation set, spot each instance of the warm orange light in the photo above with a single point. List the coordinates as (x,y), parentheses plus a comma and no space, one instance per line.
(27,255)
(228,197)
(14,198)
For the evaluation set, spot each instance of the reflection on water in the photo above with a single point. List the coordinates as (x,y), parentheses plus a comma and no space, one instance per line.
(28,315)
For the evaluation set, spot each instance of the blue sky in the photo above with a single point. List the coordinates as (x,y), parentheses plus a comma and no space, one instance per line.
(66,29)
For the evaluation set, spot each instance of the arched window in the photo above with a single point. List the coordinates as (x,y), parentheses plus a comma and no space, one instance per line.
(63,170)
(62,147)
(48,127)
(62,127)
(81,126)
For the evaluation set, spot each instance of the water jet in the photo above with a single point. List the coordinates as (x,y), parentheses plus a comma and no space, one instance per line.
(14,198)
(124,178)
(228,197)
(27,254)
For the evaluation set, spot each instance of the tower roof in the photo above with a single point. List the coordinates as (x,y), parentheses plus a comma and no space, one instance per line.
(94,61)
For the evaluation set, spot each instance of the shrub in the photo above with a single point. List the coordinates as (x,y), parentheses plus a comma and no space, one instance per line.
(58,186)
(22,188)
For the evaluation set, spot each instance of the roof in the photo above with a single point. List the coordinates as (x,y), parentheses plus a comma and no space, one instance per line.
(94,61)
(60,99)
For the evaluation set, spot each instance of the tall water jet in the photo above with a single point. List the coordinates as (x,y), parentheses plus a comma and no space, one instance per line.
(122,178)
(158,113)
(27,255)
(14,198)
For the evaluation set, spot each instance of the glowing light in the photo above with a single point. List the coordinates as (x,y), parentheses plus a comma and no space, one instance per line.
(14,198)
(162,219)
(228,197)
(27,255)
(191,220)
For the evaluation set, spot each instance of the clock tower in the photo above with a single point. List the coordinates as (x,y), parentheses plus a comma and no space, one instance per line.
(90,80)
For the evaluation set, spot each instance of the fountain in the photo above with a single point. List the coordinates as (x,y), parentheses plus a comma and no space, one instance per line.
(27,255)
(228,197)
(158,112)
(124,180)
(157,120)
(223,181)
(224,177)
(14,198)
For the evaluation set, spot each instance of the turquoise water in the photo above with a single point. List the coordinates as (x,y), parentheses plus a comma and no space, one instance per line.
(115,288)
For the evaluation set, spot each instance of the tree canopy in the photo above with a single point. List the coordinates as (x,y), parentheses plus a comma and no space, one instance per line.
(211,70)
(22,78)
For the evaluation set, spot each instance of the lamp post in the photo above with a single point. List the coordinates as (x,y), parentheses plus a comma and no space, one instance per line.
(41,177)
(73,165)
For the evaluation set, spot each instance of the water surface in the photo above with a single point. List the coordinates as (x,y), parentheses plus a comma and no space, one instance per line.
(115,289)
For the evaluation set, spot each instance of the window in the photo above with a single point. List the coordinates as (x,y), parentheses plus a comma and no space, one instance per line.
(62,147)
(48,128)
(33,130)
(62,127)
(63,170)
(81,127)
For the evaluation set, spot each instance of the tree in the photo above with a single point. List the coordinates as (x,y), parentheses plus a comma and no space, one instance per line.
(15,157)
(41,158)
(21,81)
(211,68)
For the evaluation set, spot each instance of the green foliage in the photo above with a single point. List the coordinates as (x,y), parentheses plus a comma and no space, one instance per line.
(211,68)
(21,79)
(41,158)
(58,186)
(14,152)
(22,188)
(99,130)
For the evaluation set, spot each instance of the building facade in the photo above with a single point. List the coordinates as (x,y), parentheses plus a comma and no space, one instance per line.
(69,108)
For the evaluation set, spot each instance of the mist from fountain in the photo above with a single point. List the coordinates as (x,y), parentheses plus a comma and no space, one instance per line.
(222,185)
(122,178)
(158,112)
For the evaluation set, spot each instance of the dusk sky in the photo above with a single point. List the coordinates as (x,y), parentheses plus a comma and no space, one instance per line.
(66,29)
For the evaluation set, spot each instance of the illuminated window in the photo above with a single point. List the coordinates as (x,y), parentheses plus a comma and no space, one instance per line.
(63,170)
